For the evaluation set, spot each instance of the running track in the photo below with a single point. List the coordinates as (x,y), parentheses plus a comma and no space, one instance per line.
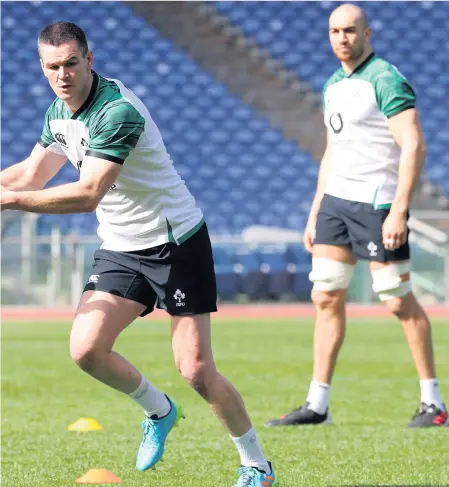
(254,311)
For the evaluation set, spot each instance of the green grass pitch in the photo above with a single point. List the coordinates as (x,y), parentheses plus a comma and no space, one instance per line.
(374,394)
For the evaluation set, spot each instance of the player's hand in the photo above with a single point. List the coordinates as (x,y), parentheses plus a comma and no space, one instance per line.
(309,234)
(394,231)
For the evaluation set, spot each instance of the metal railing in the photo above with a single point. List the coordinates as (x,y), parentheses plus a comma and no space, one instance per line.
(52,270)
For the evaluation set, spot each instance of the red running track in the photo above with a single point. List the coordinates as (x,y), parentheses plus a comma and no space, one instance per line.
(255,311)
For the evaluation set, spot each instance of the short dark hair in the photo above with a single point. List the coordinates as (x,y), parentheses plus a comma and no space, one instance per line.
(61,32)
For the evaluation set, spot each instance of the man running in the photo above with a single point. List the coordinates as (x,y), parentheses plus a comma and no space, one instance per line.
(155,252)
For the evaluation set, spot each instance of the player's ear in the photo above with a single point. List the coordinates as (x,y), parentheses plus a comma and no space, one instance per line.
(368,33)
(90,59)
(42,64)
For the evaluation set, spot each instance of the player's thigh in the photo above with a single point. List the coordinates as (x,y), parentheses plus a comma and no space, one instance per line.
(332,271)
(100,318)
(404,267)
(391,282)
(114,296)
(191,343)
(338,253)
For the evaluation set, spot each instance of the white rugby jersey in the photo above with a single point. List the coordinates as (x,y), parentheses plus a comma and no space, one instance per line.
(149,204)
(364,155)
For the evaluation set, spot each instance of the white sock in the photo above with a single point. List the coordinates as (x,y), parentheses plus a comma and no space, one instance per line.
(250,452)
(319,396)
(430,393)
(151,399)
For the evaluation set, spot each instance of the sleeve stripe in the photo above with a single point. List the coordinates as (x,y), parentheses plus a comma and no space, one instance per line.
(400,109)
(107,157)
(127,124)
(43,143)
(120,133)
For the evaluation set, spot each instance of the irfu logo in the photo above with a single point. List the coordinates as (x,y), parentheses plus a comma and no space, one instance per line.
(372,247)
(179,296)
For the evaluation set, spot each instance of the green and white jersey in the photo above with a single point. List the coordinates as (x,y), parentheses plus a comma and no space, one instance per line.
(149,204)
(364,155)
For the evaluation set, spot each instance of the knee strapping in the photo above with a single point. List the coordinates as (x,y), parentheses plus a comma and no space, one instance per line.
(330,275)
(387,281)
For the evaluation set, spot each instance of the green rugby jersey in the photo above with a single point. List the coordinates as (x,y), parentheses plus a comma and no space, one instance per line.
(364,155)
(149,204)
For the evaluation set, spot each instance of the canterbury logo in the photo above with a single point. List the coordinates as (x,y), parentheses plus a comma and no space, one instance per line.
(61,139)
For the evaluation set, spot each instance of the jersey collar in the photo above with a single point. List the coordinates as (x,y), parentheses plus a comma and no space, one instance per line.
(362,65)
(93,90)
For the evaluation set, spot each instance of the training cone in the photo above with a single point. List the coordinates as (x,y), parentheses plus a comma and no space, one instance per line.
(85,424)
(98,476)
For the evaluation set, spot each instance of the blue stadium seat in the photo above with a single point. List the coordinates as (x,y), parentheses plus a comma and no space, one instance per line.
(251,281)
(275,270)
(227,279)
(300,263)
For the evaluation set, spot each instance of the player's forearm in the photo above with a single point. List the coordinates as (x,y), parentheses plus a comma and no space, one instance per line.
(17,178)
(68,198)
(411,165)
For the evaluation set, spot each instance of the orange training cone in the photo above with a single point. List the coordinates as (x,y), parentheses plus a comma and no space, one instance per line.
(98,476)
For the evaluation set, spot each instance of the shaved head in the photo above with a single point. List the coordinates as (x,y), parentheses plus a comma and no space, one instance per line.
(349,35)
(351,13)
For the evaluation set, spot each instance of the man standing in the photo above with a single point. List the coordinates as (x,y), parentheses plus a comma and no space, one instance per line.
(374,157)
(156,249)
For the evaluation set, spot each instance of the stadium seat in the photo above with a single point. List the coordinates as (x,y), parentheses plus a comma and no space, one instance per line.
(275,270)
(300,264)
(248,268)
(227,279)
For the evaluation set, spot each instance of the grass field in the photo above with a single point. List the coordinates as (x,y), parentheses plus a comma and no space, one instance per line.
(375,392)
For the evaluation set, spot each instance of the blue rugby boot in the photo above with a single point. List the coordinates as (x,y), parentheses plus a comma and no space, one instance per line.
(155,431)
(253,477)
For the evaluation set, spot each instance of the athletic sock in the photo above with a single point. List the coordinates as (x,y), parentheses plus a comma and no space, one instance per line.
(153,401)
(430,393)
(318,397)
(250,452)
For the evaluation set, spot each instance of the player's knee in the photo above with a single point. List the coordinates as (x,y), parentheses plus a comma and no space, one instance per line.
(330,275)
(86,358)
(197,374)
(327,300)
(392,284)
(399,307)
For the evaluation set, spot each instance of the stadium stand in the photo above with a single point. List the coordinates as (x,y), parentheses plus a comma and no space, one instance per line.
(241,170)
(263,178)
(297,35)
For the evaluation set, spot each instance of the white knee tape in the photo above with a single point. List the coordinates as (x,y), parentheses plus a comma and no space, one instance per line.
(387,281)
(330,275)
